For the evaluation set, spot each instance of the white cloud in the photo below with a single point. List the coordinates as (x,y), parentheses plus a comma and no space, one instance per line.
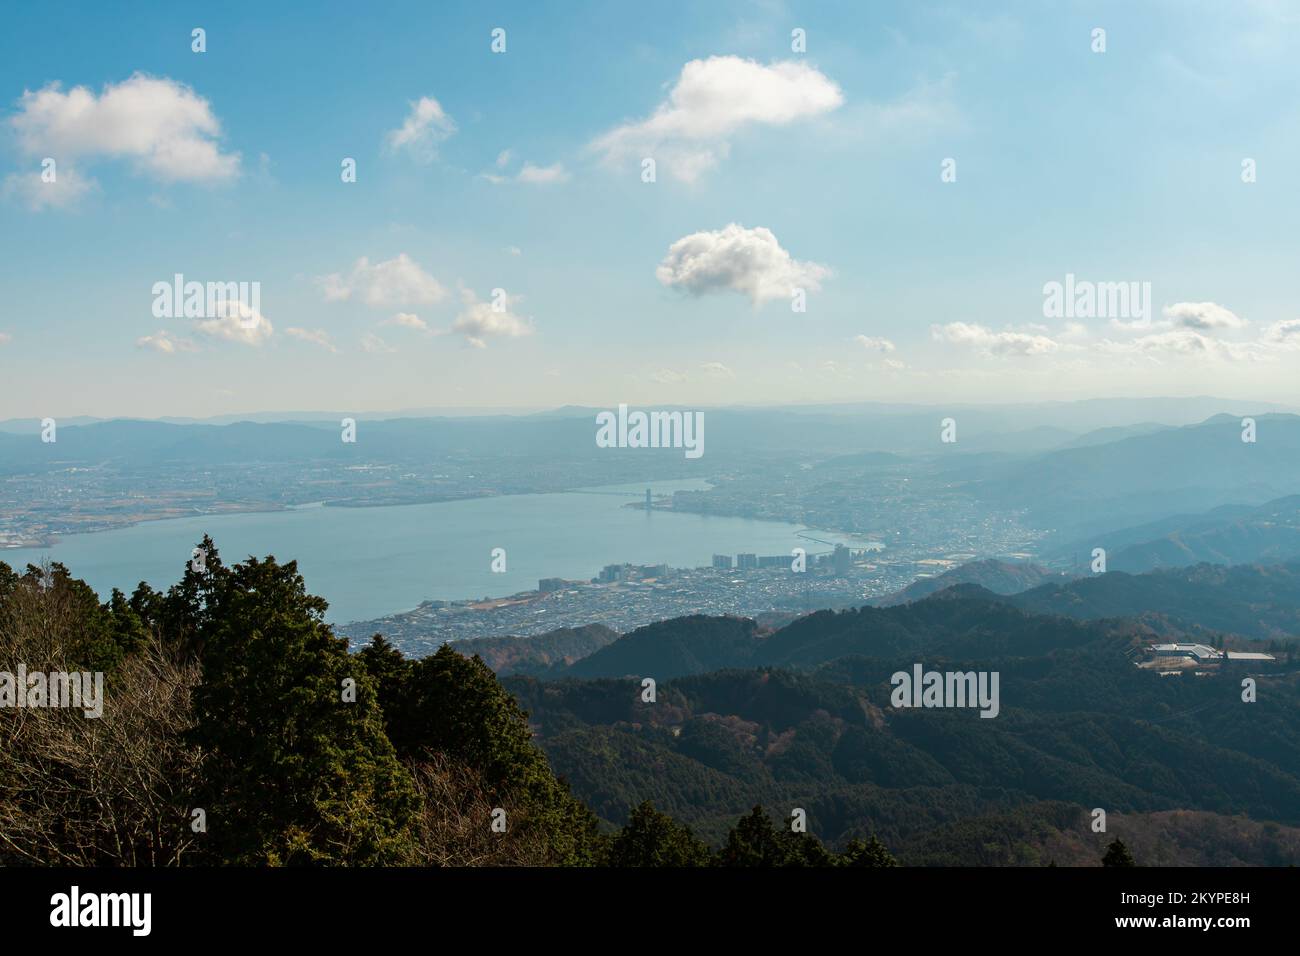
(503,158)
(5,338)
(241,324)
(1285,330)
(389,284)
(374,344)
(748,261)
(542,175)
(1184,343)
(64,192)
(712,99)
(313,336)
(426,125)
(875,344)
(166,129)
(166,343)
(479,321)
(529,174)
(1203,316)
(987,342)
(514,251)
(717,370)
(408,320)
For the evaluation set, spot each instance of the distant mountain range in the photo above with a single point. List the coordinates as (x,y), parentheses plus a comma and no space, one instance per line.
(1030,428)
(1257,602)
(1232,534)
(1000,577)
(1084,492)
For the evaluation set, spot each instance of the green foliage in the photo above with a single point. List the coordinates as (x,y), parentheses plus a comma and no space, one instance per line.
(652,838)
(754,841)
(1080,725)
(454,705)
(869,853)
(1117,854)
(297,770)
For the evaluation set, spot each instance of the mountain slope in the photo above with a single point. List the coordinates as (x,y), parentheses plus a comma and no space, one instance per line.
(1257,602)
(1000,577)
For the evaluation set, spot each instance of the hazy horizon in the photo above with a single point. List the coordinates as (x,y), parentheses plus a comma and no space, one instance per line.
(265,416)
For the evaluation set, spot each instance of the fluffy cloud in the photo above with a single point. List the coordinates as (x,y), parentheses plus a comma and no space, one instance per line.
(241,324)
(667,376)
(480,321)
(1284,331)
(988,342)
(165,128)
(748,261)
(1203,316)
(312,336)
(408,320)
(166,343)
(717,370)
(712,99)
(426,125)
(871,344)
(389,284)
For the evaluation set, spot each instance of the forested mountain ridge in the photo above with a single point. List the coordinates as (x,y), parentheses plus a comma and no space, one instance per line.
(229,692)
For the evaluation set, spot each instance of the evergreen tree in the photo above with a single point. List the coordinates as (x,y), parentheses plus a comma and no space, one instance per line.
(867,853)
(453,706)
(755,841)
(651,838)
(298,768)
(1117,854)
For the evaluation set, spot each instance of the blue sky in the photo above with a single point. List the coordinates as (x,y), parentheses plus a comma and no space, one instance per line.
(225,166)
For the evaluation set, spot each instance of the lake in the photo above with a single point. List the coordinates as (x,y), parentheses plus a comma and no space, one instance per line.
(368,562)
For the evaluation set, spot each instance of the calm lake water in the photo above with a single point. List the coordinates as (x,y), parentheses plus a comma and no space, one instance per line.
(368,562)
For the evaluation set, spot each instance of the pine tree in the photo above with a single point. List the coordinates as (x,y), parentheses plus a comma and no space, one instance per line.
(1117,854)
(651,838)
